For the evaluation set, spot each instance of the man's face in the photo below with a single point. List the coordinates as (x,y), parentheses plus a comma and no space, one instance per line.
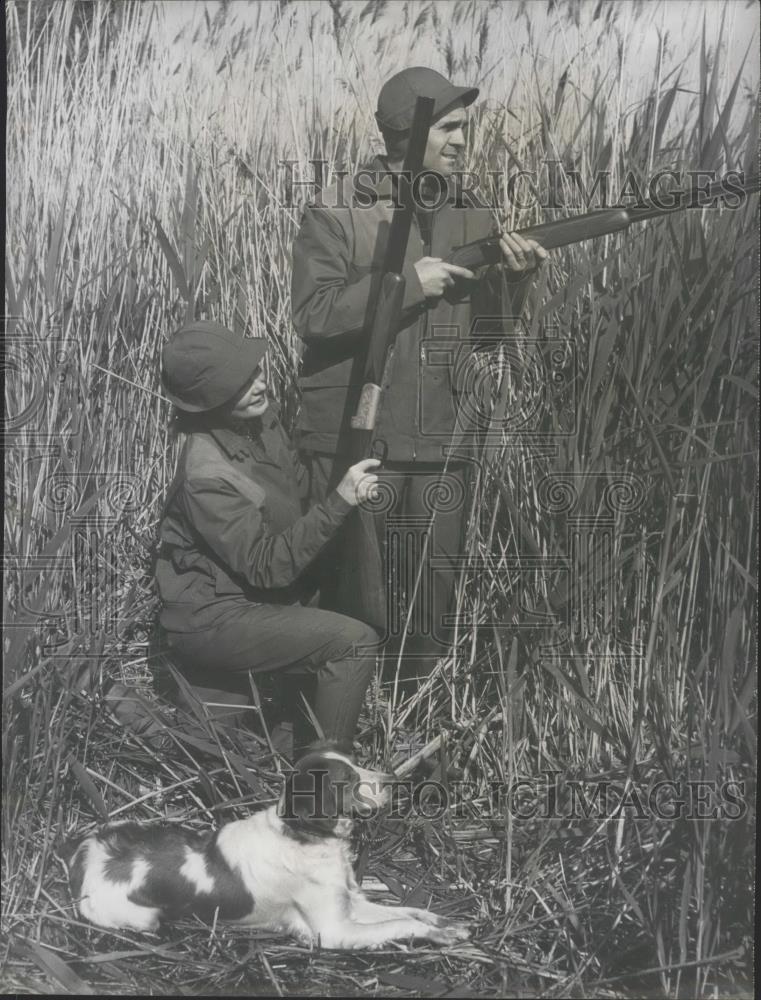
(446,141)
(253,402)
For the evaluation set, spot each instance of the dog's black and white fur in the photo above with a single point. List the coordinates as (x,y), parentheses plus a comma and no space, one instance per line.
(286,868)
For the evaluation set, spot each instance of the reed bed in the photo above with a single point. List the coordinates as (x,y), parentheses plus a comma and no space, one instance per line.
(145,184)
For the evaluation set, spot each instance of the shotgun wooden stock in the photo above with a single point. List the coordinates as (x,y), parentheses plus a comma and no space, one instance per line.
(362,586)
(386,318)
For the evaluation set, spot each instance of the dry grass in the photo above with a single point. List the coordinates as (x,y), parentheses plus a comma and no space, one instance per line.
(142,187)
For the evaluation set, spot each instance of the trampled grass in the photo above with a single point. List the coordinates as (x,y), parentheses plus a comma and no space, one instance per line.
(145,182)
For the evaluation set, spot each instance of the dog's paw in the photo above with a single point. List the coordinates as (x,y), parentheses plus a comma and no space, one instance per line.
(428,917)
(449,932)
(463,931)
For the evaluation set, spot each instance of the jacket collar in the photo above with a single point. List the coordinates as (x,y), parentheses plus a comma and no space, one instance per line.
(236,439)
(382,183)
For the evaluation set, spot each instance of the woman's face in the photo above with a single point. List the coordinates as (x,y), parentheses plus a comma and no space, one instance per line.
(253,401)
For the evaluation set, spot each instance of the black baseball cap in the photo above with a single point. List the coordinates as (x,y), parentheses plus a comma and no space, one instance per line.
(396,101)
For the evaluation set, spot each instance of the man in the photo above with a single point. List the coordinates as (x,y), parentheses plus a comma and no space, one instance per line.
(235,542)
(336,256)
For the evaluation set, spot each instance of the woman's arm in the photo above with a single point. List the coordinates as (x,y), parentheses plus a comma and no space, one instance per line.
(236,530)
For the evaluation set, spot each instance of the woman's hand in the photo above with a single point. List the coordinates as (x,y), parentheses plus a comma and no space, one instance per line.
(358,483)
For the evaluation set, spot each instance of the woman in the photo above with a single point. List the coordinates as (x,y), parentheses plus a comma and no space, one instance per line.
(235,543)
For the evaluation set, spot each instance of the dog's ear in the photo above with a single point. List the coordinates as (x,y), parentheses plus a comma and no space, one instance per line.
(308,804)
(313,800)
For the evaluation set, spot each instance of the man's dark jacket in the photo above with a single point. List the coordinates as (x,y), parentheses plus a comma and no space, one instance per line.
(336,263)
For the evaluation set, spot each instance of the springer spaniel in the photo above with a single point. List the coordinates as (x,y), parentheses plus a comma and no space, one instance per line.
(286,868)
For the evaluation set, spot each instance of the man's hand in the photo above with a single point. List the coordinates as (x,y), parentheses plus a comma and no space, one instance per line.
(359,482)
(521,255)
(436,275)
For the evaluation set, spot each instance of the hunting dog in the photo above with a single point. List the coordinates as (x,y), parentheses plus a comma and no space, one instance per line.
(286,868)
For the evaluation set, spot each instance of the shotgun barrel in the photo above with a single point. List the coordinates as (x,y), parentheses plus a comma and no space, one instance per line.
(601,222)
(388,307)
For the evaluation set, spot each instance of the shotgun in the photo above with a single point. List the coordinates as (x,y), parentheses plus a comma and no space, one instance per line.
(601,222)
(388,308)
(362,587)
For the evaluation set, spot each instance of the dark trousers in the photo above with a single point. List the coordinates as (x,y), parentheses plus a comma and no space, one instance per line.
(325,656)
(422,502)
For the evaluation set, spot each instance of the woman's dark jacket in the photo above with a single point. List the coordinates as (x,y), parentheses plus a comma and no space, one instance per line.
(233,529)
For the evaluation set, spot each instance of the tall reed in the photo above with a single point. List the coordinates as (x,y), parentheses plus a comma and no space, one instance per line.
(146,184)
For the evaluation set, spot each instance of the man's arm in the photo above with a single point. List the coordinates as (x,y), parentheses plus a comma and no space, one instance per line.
(504,288)
(325,304)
